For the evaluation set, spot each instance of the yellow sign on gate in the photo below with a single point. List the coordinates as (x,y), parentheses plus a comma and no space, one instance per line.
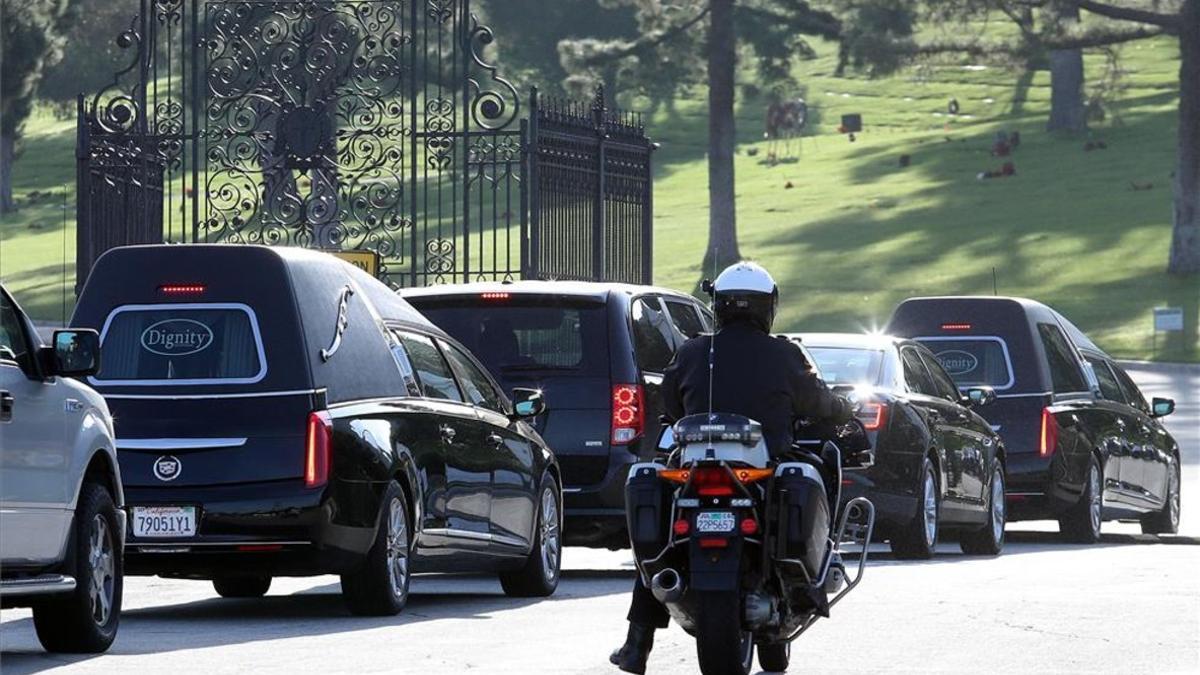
(367,261)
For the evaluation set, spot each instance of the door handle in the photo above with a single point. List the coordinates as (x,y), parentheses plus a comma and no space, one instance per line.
(6,406)
(448,433)
(495,440)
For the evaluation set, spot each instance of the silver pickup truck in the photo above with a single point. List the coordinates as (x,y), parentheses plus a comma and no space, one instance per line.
(62,523)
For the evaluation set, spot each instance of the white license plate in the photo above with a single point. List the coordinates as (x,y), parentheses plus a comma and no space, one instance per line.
(715,521)
(164,521)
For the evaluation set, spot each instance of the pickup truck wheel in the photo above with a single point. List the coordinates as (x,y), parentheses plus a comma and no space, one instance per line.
(1166,519)
(251,586)
(1081,524)
(85,620)
(918,539)
(380,586)
(538,578)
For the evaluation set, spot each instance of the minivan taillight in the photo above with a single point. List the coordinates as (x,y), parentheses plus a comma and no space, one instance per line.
(318,449)
(1049,436)
(628,413)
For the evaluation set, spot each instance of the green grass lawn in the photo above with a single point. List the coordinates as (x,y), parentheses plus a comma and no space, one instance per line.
(855,233)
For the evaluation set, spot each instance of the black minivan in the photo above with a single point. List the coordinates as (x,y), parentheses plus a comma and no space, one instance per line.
(598,351)
(281,413)
(1083,444)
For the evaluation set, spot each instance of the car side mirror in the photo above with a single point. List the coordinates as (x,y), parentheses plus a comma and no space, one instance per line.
(76,353)
(1161,407)
(666,440)
(528,403)
(977,397)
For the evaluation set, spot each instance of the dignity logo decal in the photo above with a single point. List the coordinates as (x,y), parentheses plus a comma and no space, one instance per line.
(177,337)
(167,468)
(957,362)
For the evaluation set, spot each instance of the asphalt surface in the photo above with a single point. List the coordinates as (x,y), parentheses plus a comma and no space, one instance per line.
(1129,604)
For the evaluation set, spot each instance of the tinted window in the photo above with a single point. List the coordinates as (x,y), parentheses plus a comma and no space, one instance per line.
(1065,375)
(433,372)
(1109,388)
(475,383)
(845,365)
(941,380)
(652,335)
(405,365)
(687,321)
(915,373)
(526,332)
(182,344)
(1132,393)
(12,337)
(973,362)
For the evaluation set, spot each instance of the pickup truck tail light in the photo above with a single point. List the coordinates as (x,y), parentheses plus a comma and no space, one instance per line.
(318,449)
(628,413)
(1049,436)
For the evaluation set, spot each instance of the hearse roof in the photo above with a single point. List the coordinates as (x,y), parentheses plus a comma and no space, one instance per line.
(1035,311)
(590,289)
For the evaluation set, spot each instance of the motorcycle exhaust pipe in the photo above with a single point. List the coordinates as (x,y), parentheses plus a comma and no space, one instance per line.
(667,586)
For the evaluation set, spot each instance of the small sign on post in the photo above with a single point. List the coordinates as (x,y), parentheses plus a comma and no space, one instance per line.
(1166,320)
(367,261)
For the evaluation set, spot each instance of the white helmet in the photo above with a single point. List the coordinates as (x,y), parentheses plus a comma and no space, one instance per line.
(745,292)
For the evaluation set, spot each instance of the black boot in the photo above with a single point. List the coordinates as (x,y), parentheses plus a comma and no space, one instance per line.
(632,655)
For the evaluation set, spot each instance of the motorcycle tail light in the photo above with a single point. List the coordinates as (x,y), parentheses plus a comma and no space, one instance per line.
(749,526)
(714,482)
(682,527)
(873,415)
(628,413)
(713,542)
(1049,435)
(318,447)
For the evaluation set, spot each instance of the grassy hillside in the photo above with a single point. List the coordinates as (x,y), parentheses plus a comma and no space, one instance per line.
(848,232)
(844,228)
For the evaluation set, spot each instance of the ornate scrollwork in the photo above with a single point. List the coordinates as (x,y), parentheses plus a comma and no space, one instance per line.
(439,256)
(492,107)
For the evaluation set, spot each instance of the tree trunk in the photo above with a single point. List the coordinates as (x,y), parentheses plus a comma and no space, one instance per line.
(1067,112)
(7,146)
(722,212)
(1185,236)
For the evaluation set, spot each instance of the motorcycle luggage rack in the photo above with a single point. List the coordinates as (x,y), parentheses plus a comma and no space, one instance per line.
(863,512)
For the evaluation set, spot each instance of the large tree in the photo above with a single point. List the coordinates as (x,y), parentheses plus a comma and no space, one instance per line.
(31,38)
(663,61)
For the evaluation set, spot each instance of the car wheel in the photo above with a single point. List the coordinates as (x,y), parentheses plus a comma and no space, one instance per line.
(775,658)
(1081,524)
(539,576)
(250,586)
(989,539)
(1166,519)
(918,539)
(85,621)
(380,586)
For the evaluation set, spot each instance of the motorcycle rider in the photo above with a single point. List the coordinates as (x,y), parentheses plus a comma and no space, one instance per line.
(753,374)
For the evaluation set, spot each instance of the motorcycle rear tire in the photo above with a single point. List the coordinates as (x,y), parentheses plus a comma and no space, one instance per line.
(776,657)
(722,647)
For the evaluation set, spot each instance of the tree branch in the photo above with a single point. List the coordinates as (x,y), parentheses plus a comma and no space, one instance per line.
(620,50)
(1170,22)
(1103,38)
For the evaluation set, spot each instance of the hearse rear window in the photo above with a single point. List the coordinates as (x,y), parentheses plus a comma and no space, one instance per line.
(196,344)
(973,361)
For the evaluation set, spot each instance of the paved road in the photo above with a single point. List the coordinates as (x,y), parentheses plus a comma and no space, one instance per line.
(1130,604)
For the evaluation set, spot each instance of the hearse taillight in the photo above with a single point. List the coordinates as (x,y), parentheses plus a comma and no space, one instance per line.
(318,448)
(1049,435)
(628,413)
(182,289)
(956,326)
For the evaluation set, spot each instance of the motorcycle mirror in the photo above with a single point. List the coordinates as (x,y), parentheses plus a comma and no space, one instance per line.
(707,287)
(666,440)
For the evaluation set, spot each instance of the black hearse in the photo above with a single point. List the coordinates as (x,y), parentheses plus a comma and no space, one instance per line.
(1083,445)
(281,413)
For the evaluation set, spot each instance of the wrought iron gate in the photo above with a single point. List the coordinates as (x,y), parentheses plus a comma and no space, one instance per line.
(336,124)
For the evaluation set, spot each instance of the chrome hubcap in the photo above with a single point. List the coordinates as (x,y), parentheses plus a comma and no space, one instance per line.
(998,505)
(102,563)
(1095,497)
(551,545)
(397,547)
(930,509)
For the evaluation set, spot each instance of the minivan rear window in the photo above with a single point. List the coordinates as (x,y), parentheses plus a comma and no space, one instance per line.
(973,361)
(525,334)
(196,344)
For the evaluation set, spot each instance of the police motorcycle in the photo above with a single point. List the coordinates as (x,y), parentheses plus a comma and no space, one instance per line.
(743,552)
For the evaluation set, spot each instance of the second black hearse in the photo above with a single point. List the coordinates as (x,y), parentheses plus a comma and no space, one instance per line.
(281,413)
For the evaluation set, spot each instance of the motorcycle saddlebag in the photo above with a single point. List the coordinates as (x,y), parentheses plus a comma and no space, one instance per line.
(802,516)
(644,510)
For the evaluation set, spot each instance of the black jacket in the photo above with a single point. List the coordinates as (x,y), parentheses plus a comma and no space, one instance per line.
(761,377)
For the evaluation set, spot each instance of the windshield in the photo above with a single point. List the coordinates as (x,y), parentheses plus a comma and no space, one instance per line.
(847,365)
(181,344)
(525,334)
(973,361)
